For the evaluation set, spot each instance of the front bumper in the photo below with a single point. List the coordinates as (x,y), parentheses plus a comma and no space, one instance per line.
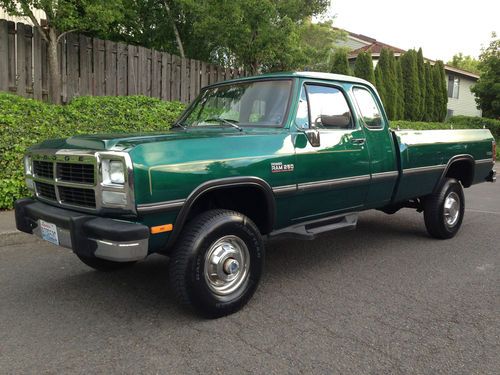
(87,235)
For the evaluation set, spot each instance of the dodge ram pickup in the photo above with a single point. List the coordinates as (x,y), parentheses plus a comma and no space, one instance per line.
(284,154)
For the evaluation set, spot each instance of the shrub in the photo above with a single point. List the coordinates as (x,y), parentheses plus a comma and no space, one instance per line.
(25,122)
(477,122)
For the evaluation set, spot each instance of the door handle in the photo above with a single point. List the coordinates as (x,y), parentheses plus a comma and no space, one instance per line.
(358,141)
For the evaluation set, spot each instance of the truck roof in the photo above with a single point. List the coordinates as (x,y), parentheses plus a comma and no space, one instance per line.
(314,75)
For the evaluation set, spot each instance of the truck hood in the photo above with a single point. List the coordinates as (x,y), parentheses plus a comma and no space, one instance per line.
(122,142)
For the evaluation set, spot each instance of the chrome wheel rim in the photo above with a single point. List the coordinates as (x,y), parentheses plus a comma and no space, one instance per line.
(227,263)
(451,209)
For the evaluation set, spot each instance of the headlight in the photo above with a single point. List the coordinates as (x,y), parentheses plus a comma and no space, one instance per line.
(113,172)
(27,165)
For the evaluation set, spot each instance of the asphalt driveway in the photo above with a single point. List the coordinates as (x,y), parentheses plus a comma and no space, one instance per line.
(383,299)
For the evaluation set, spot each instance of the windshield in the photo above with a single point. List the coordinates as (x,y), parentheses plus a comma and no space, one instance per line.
(257,103)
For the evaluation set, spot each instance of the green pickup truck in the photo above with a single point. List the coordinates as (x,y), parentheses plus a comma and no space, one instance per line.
(286,154)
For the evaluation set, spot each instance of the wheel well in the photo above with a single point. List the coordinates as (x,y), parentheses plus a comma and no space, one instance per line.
(462,170)
(251,201)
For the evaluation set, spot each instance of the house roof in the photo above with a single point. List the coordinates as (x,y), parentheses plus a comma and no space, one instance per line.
(374,47)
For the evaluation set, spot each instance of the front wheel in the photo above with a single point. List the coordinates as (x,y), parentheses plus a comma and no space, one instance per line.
(217,263)
(444,210)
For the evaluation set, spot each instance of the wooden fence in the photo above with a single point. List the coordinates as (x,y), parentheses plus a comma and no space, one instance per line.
(91,66)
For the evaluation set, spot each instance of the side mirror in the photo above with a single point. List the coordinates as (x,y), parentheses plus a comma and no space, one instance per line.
(313,136)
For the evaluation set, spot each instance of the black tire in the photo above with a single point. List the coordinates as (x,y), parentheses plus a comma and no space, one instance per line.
(440,221)
(189,260)
(104,265)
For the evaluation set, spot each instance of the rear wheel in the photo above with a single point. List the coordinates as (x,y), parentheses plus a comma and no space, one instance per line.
(444,210)
(218,262)
(104,265)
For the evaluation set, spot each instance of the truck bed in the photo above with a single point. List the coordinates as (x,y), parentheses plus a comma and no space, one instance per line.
(425,154)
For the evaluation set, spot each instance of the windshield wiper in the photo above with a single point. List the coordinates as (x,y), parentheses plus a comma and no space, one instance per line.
(225,121)
(179,124)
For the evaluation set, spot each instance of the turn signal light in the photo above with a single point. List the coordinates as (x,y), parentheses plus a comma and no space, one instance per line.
(162,228)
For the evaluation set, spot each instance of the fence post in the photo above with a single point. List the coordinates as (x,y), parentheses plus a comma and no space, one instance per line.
(132,72)
(72,65)
(166,74)
(37,65)
(4,56)
(21,60)
(121,69)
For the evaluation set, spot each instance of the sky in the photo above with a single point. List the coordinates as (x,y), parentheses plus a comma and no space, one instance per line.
(441,27)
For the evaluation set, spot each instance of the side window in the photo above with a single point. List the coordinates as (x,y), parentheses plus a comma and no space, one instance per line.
(368,108)
(302,118)
(328,108)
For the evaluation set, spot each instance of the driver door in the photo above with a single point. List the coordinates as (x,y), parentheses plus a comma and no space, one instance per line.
(334,176)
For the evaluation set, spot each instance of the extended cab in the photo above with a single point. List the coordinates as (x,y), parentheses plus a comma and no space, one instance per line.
(288,154)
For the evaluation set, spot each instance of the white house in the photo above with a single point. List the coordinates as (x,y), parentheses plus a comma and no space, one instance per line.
(460,98)
(39,15)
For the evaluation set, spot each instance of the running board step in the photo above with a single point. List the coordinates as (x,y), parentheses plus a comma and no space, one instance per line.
(309,230)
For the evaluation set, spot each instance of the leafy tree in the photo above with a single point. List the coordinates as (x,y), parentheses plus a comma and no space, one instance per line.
(467,62)
(409,67)
(429,114)
(363,68)
(399,106)
(317,42)
(440,91)
(65,16)
(422,82)
(340,63)
(258,35)
(487,89)
(385,79)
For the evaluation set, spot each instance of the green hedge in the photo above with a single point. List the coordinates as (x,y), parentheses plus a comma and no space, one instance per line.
(24,122)
(457,122)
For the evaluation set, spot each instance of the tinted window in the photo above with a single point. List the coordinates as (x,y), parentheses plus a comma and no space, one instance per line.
(368,108)
(328,108)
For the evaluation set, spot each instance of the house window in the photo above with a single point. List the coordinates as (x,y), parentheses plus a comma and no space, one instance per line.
(453,86)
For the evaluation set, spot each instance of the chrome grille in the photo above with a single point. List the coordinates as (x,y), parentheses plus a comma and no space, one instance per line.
(77,196)
(46,190)
(71,179)
(77,173)
(43,169)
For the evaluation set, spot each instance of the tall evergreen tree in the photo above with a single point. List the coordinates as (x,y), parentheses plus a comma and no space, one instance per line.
(399,108)
(443,91)
(380,85)
(411,86)
(422,82)
(340,62)
(363,68)
(440,91)
(429,114)
(385,80)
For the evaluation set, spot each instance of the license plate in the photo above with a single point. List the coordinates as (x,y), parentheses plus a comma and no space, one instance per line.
(49,232)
